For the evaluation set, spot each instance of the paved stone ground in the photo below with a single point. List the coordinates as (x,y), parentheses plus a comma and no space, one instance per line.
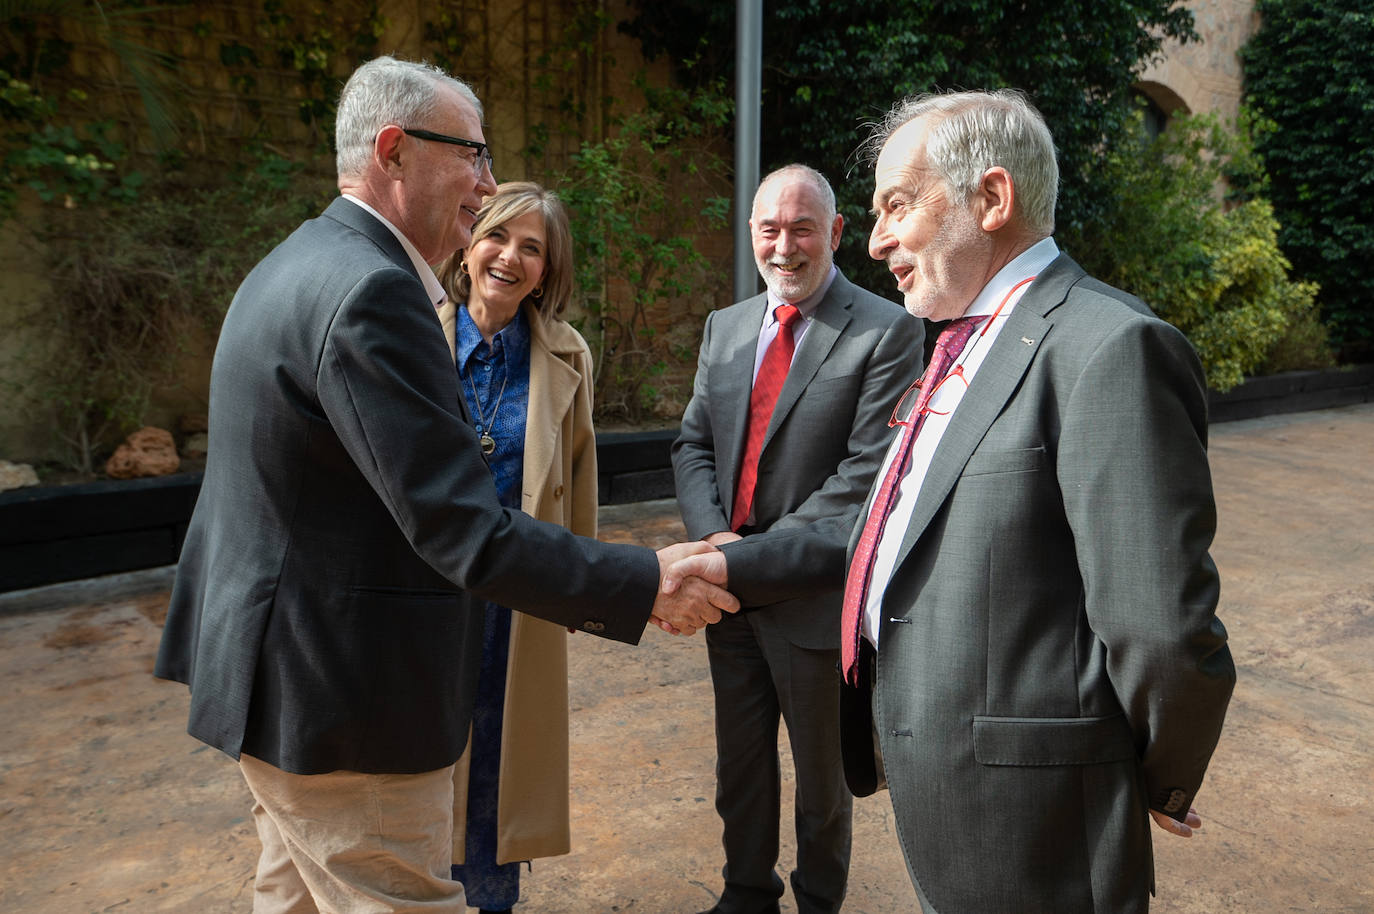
(107,806)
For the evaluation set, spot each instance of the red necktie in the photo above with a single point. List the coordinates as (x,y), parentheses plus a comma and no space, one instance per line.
(947,348)
(767,386)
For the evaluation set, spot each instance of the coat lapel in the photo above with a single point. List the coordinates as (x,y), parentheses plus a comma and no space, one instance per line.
(997,380)
(553,384)
(830,319)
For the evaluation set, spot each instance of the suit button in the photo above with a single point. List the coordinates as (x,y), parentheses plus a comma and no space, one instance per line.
(558,491)
(593,626)
(1176,800)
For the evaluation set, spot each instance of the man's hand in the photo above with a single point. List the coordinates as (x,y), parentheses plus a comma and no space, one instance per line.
(1182,829)
(693,603)
(706,563)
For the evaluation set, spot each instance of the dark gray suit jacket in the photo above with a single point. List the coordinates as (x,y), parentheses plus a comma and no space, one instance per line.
(1050,661)
(824,441)
(323,607)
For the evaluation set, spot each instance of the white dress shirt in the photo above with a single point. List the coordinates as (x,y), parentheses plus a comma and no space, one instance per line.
(942,405)
(807,306)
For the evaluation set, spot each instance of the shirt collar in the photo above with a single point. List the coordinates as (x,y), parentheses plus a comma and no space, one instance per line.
(433,289)
(1029,262)
(514,337)
(807,306)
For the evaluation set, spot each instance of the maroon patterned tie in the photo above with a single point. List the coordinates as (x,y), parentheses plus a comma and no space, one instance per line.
(947,348)
(767,386)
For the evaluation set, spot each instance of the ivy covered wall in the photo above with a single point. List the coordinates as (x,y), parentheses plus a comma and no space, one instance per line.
(151,155)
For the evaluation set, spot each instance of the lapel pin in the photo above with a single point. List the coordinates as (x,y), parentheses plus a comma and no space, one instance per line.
(1028,341)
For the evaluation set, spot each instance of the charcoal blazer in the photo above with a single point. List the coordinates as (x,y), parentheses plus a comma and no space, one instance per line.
(776,660)
(824,441)
(1050,662)
(324,608)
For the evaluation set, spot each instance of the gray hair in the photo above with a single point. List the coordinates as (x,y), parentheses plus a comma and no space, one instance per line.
(975,131)
(805,173)
(386,91)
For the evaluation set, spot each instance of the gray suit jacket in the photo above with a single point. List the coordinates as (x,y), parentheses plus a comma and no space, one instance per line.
(824,441)
(1050,661)
(323,607)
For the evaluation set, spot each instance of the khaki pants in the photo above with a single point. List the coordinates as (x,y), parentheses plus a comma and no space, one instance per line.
(352,843)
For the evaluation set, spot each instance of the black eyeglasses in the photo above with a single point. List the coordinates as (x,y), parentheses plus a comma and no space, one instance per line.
(483,156)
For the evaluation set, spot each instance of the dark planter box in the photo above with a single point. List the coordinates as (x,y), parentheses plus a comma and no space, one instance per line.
(1293,392)
(634,466)
(66,533)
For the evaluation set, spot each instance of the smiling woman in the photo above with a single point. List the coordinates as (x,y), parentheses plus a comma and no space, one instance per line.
(526,377)
(505,267)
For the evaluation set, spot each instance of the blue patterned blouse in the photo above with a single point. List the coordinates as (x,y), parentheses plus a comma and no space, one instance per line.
(496,384)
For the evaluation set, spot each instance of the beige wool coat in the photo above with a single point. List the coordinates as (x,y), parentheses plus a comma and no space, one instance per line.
(559,486)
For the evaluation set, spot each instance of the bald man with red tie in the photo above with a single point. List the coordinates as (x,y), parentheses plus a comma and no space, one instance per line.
(787,423)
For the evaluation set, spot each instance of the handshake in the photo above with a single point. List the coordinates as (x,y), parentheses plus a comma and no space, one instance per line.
(691,589)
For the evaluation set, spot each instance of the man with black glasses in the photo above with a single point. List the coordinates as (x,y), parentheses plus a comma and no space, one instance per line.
(322,613)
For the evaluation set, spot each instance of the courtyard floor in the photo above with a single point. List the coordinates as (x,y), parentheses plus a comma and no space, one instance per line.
(106,805)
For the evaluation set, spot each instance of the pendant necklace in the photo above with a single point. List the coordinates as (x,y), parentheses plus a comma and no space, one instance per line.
(484,439)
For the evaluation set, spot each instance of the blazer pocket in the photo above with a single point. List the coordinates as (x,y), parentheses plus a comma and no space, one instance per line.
(1038,741)
(830,375)
(1022,460)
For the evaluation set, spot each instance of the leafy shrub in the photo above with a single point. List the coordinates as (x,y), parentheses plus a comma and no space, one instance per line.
(140,270)
(133,284)
(637,199)
(1304,346)
(1210,266)
(54,160)
(1309,72)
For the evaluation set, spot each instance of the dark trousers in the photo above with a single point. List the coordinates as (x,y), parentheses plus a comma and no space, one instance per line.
(757,678)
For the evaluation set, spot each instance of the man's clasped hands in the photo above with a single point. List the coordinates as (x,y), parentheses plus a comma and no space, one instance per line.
(691,588)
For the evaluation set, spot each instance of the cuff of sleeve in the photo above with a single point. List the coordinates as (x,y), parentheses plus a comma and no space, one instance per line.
(1173,802)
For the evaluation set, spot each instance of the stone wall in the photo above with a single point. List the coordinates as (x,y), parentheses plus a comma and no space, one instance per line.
(1204,76)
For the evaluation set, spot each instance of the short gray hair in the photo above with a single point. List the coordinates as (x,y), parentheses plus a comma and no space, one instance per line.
(797,171)
(974,131)
(386,91)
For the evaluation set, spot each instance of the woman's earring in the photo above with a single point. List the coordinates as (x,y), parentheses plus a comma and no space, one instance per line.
(537,292)
(463,265)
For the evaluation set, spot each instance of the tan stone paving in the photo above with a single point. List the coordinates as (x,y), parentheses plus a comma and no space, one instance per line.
(107,806)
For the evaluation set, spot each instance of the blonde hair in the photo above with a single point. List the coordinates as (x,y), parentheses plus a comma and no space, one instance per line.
(511,201)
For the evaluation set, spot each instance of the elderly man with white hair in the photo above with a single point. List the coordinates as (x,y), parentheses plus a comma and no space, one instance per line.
(1029,634)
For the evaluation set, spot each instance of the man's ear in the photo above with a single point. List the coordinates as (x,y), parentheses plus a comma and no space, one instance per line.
(836,230)
(995,198)
(387,149)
